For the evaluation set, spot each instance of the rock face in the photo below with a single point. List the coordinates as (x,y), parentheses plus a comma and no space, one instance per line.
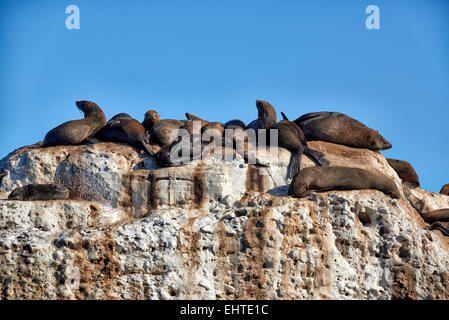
(212,229)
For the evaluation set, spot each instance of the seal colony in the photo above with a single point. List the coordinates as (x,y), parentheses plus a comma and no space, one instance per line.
(182,141)
(199,137)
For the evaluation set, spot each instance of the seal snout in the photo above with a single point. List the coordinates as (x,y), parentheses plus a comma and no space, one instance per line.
(382,144)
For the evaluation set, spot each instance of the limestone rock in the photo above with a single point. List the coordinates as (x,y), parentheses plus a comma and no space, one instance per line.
(212,229)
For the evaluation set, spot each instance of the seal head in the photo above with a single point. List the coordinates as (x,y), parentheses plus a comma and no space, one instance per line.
(266,114)
(445,190)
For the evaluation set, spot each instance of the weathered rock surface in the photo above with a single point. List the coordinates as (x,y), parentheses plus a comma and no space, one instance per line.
(211,230)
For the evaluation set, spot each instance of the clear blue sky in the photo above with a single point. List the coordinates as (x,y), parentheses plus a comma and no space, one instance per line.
(215,58)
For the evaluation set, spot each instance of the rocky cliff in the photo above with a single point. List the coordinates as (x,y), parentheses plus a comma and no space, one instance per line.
(212,229)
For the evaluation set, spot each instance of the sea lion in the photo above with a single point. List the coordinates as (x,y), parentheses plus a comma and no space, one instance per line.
(237,135)
(164,132)
(77,131)
(171,155)
(340,178)
(339,128)
(290,137)
(190,136)
(436,215)
(123,128)
(214,129)
(445,190)
(404,170)
(442,226)
(35,192)
(266,116)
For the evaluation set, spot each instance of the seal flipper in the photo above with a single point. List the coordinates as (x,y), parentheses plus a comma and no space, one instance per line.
(295,163)
(317,157)
(284,116)
(145,148)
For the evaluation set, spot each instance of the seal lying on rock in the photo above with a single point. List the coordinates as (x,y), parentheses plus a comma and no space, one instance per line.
(436,215)
(213,130)
(237,135)
(123,128)
(163,132)
(171,155)
(339,128)
(33,192)
(340,178)
(290,137)
(77,131)
(404,170)
(445,190)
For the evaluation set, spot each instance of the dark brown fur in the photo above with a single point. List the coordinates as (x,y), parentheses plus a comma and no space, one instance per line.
(445,190)
(191,116)
(35,192)
(290,137)
(266,116)
(215,130)
(166,157)
(77,131)
(436,215)
(164,132)
(404,170)
(235,123)
(339,128)
(340,178)
(123,128)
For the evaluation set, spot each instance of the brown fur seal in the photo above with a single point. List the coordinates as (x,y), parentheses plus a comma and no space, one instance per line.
(266,116)
(445,190)
(171,155)
(218,126)
(339,178)
(339,128)
(436,215)
(290,137)
(123,128)
(34,192)
(77,131)
(164,132)
(237,134)
(404,170)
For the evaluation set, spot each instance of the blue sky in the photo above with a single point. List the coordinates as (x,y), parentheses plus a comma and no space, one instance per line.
(215,58)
